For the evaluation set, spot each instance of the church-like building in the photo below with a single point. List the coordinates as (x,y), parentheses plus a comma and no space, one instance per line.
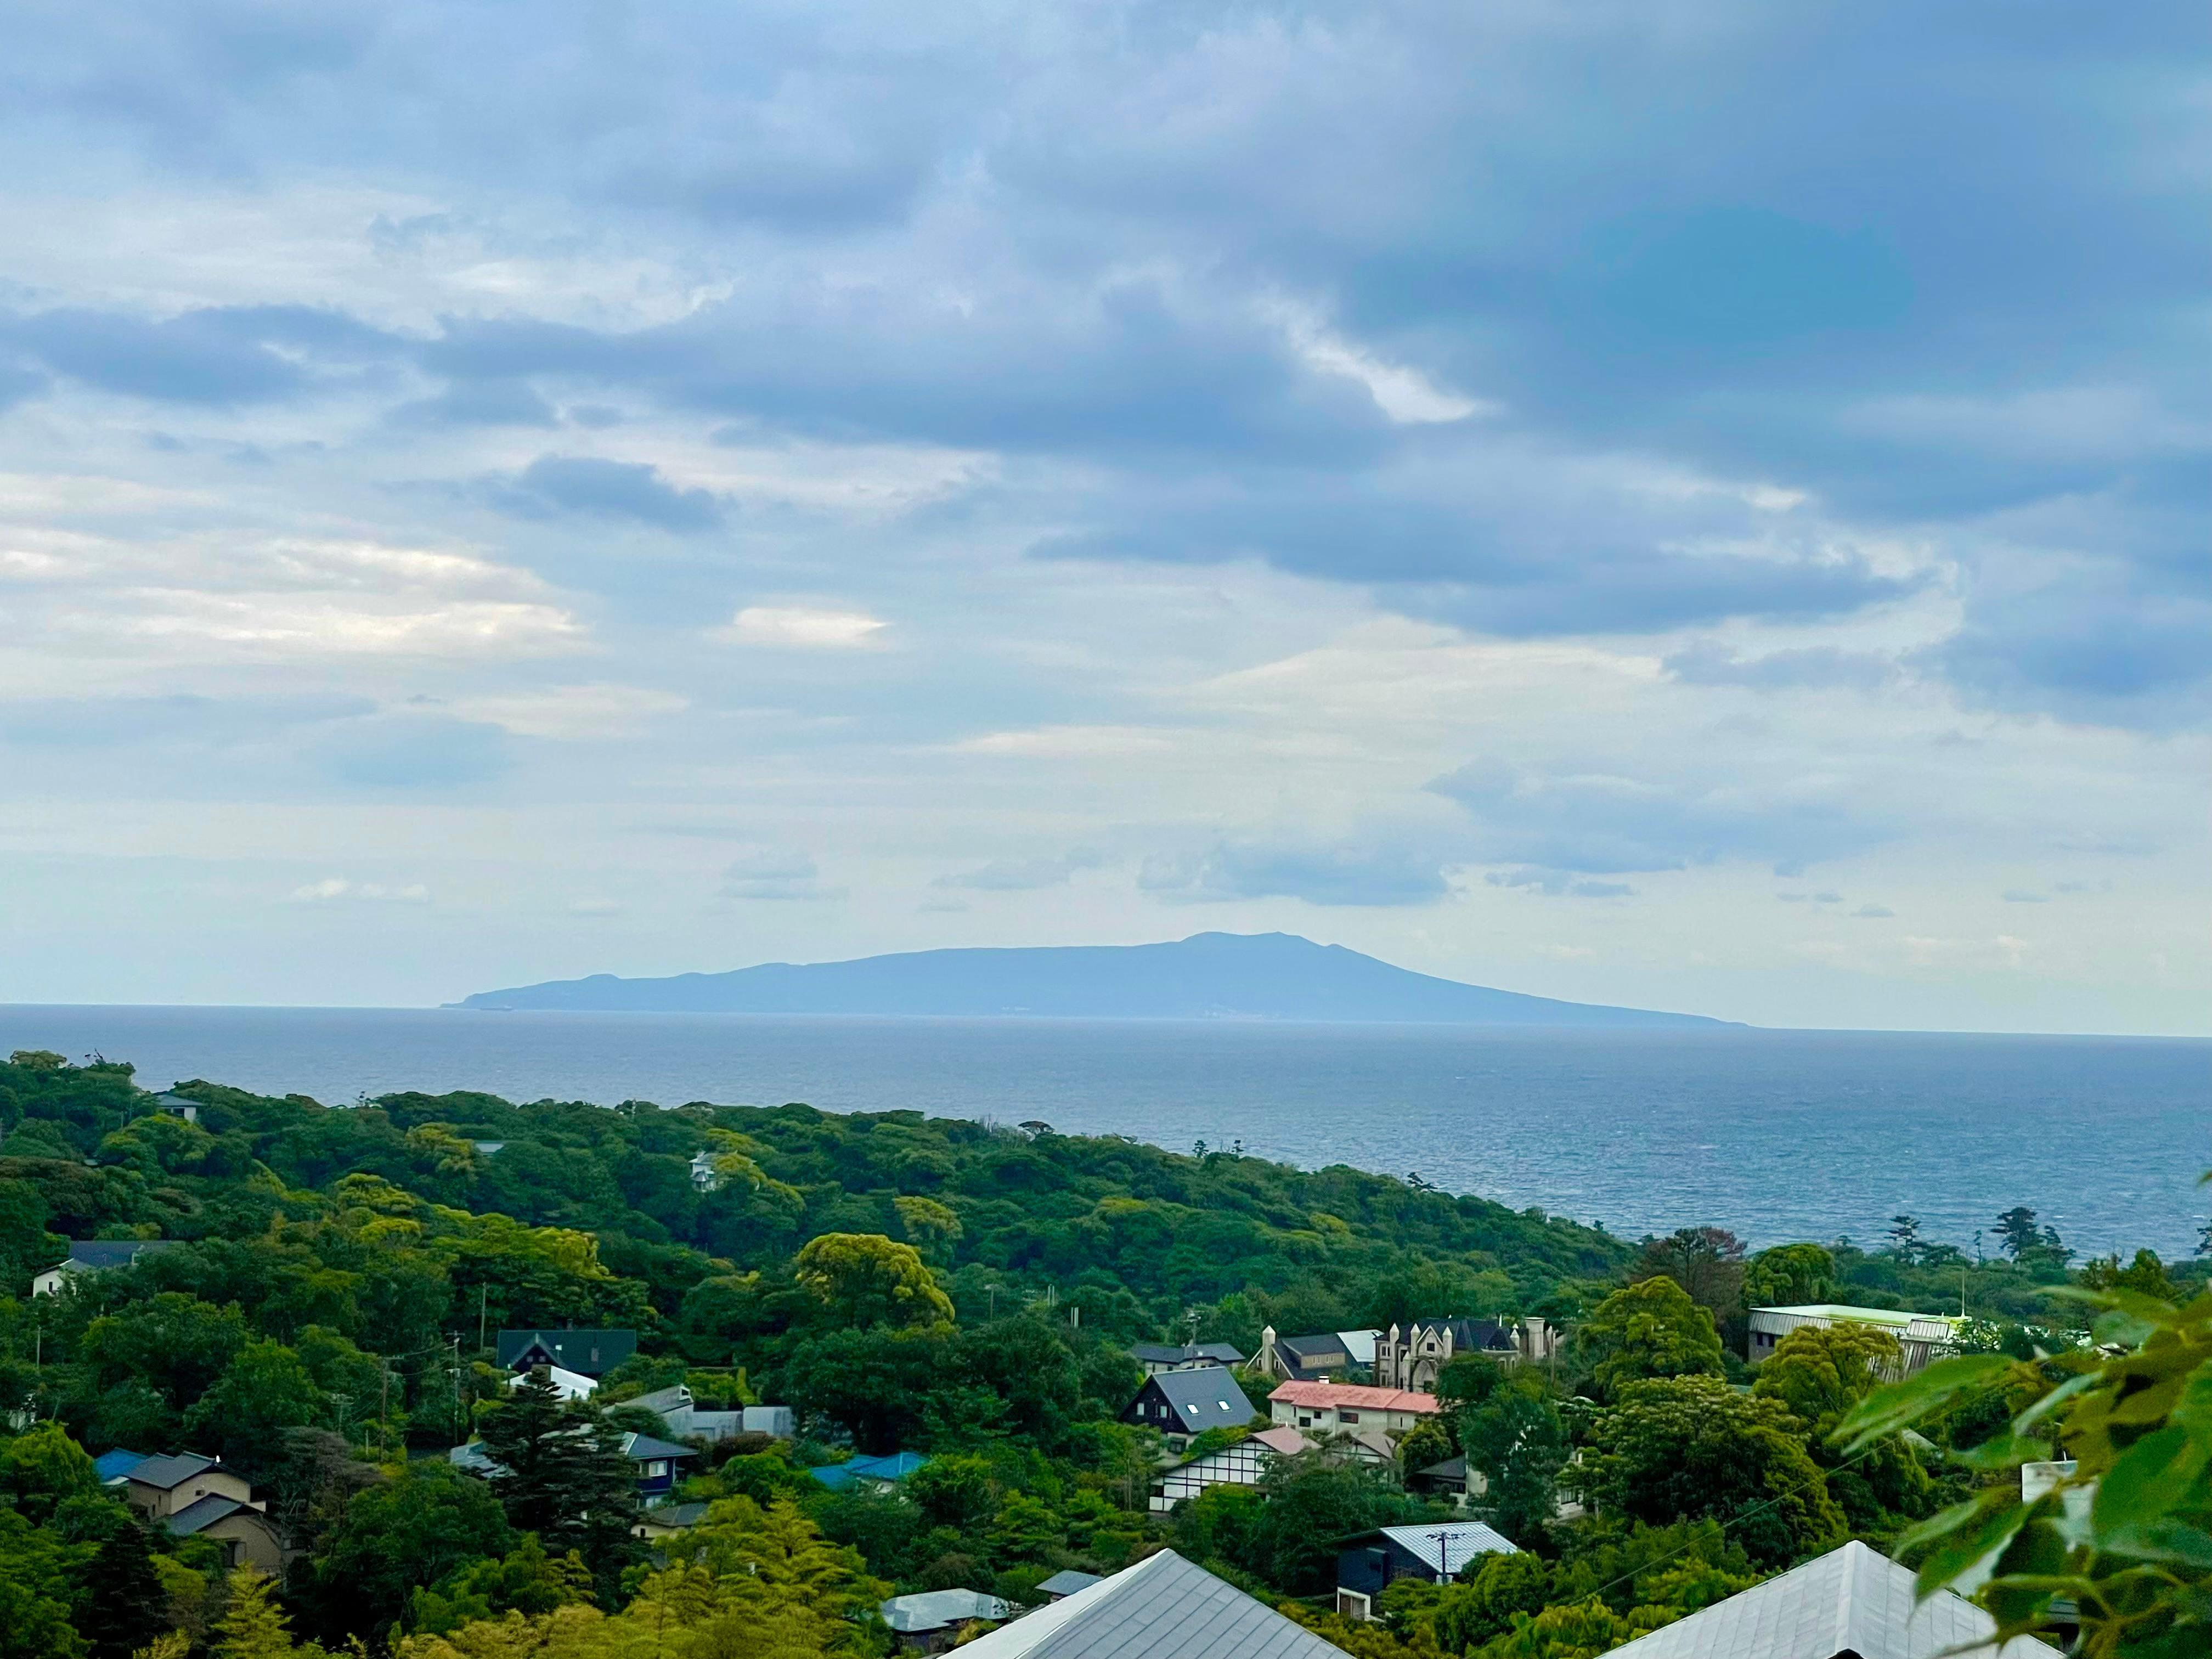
(1411,1357)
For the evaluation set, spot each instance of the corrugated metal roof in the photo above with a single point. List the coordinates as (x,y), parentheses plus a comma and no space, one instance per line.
(1851,1600)
(1163,1608)
(110,1465)
(1445,1549)
(934,1609)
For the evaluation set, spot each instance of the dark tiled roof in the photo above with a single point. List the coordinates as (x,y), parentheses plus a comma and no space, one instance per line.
(1207,1398)
(91,1255)
(1158,1353)
(1467,1335)
(170,1470)
(202,1514)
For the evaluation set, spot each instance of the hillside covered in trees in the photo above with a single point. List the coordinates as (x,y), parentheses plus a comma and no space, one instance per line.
(321,1319)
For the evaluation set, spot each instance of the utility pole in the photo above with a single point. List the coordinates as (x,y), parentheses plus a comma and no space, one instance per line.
(483,1291)
(1443,1555)
(384,1406)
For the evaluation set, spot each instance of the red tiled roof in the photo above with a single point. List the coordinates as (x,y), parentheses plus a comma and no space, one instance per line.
(1328,1394)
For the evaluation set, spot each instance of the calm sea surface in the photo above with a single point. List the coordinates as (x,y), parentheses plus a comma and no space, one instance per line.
(1777,1134)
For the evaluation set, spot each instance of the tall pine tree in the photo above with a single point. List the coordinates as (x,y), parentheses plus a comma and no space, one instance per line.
(127,1608)
(564,1476)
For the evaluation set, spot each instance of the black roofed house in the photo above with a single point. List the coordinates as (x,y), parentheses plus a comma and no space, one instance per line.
(1163,1608)
(1325,1357)
(1155,1357)
(1181,1404)
(1851,1603)
(92,1255)
(588,1353)
(1434,1553)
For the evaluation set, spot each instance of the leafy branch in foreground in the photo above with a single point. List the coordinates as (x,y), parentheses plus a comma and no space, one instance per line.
(2125,1535)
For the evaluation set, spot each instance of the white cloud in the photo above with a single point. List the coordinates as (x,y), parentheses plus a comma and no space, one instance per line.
(805,628)
(1406,395)
(333,888)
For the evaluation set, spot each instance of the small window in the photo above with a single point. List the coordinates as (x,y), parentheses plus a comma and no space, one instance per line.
(657,1468)
(1347,1417)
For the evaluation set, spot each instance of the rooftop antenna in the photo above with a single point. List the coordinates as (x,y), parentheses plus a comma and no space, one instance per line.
(1442,1536)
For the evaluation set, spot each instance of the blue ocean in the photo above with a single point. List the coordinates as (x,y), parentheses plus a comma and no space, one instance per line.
(1777,1134)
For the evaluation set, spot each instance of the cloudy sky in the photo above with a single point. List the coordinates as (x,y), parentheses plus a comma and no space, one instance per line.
(1701,505)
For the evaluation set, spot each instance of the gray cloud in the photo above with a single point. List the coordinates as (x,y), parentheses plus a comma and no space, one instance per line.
(1024,875)
(555,484)
(1603,824)
(1557,884)
(1812,668)
(777,874)
(416,751)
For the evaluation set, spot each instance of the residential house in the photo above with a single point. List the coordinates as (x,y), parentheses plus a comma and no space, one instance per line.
(1163,1608)
(177,1106)
(873,1473)
(158,1487)
(195,1496)
(1920,1337)
(1329,1408)
(92,1255)
(934,1620)
(1156,1358)
(1433,1555)
(1181,1404)
(1412,1358)
(665,1521)
(1239,1465)
(704,1175)
(652,1462)
(1066,1583)
(1451,1479)
(687,1418)
(1851,1603)
(1328,1357)
(591,1353)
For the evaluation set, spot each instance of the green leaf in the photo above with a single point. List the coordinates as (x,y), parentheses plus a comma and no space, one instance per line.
(1902,1404)
(2152,1477)
(2002,1451)
(2172,1541)
(2071,1388)
(1964,1560)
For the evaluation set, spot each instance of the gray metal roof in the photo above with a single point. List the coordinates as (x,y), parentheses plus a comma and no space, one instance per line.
(1851,1600)
(1445,1549)
(1067,1581)
(935,1609)
(640,1447)
(1163,1608)
(1207,1398)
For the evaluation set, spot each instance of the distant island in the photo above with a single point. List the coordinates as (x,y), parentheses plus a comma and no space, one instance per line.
(1205,977)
